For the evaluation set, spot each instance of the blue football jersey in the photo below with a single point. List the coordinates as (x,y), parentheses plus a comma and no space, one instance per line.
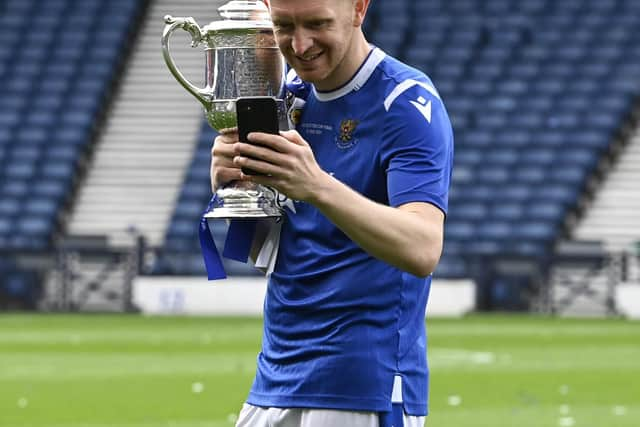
(339,324)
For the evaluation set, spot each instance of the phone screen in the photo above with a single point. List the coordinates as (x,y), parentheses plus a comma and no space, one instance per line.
(256,114)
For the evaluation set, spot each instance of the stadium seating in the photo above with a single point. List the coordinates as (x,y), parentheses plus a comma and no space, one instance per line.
(58,61)
(19,288)
(537,92)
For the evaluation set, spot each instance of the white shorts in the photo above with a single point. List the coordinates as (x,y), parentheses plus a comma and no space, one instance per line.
(254,416)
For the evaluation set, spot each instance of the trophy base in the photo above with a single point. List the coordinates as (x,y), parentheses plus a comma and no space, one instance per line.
(248,203)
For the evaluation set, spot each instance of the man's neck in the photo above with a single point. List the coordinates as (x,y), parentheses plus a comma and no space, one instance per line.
(354,58)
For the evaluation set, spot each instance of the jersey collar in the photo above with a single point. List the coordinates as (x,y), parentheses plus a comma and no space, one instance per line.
(359,79)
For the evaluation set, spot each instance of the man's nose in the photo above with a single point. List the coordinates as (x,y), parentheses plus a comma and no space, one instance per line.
(301,42)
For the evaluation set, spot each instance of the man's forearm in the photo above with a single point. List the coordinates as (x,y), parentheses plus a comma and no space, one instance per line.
(408,237)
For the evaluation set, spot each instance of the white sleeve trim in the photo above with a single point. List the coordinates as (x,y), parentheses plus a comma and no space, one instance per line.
(291,75)
(405,85)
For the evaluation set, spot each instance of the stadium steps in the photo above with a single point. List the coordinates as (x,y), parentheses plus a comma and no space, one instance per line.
(149,136)
(611,218)
(613,215)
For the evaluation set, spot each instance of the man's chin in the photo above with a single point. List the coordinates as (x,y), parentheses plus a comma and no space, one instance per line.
(311,76)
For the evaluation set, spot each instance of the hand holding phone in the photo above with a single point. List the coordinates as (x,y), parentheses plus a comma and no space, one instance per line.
(256,114)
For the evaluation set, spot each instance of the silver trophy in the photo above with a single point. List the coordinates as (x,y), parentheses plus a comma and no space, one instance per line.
(242,60)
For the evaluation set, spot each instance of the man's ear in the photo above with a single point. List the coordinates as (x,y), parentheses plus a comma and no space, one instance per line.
(360,9)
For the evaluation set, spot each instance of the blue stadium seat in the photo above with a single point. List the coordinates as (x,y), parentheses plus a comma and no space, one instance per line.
(563,194)
(24,171)
(535,231)
(188,210)
(507,212)
(33,231)
(530,175)
(451,267)
(186,229)
(476,192)
(459,231)
(580,156)
(475,88)
(32,136)
(537,102)
(468,211)
(15,188)
(514,87)
(546,212)
(497,231)
(531,249)
(9,207)
(200,190)
(20,286)
(26,153)
(494,121)
(58,171)
(69,135)
(550,87)
(42,207)
(9,119)
(592,139)
(514,137)
(575,175)
(44,116)
(514,193)
(463,174)
(501,157)
(551,138)
(68,154)
(6,224)
(469,156)
(199,172)
(485,248)
(493,175)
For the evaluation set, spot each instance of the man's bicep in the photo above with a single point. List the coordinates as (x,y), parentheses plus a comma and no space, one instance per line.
(428,212)
(428,236)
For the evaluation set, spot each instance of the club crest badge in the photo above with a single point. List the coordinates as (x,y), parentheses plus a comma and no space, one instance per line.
(346,139)
(295,107)
(295,115)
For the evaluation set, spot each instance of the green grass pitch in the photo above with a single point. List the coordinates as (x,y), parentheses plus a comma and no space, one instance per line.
(135,371)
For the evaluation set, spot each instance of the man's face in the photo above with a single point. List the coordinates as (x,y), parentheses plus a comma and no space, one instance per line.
(315,37)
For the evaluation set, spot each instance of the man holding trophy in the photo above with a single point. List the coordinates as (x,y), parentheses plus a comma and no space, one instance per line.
(368,168)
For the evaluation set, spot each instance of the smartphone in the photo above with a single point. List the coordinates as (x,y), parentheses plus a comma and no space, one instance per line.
(256,114)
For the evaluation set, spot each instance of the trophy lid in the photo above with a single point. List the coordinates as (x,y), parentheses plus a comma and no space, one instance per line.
(242,14)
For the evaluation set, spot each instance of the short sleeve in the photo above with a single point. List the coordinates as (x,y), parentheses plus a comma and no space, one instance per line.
(417,149)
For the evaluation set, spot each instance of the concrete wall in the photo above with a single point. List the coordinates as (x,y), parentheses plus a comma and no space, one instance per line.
(628,300)
(244,296)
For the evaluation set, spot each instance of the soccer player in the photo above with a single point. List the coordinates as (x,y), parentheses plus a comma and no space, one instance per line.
(368,167)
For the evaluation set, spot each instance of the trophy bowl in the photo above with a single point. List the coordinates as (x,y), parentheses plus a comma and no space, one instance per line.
(242,59)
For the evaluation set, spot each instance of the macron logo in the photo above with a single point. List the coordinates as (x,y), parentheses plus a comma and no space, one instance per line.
(424,107)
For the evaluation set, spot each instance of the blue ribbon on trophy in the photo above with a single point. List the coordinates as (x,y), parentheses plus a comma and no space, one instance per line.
(245,237)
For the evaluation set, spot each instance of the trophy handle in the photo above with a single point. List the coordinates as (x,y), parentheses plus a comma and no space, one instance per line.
(191,26)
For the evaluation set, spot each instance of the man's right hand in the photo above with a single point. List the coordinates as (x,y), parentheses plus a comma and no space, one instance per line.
(223,170)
